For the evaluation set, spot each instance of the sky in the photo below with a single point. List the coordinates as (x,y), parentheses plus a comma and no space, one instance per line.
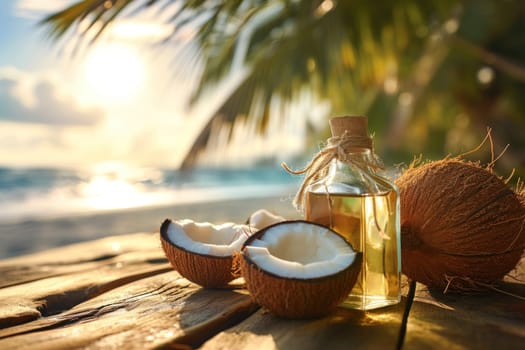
(109,103)
(117,101)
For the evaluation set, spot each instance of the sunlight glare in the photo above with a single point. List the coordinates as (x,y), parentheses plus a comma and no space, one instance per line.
(104,193)
(114,72)
(485,75)
(117,186)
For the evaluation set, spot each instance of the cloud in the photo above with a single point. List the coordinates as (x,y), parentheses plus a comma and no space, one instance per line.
(41,102)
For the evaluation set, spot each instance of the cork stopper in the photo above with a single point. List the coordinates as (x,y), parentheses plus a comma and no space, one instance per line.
(356,128)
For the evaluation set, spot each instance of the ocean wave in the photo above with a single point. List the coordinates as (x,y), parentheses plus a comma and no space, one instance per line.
(29,193)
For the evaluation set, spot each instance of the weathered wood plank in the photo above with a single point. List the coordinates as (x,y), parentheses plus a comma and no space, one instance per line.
(467,322)
(72,258)
(117,292)
(344,329)
(76,274)
(436,321)
(21,303)
(158,311)
(487,321)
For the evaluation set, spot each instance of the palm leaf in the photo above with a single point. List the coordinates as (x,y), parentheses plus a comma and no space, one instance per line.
(342,50)
(302,49)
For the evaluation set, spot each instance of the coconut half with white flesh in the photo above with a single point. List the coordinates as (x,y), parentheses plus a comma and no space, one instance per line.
(299,269)
(203,252)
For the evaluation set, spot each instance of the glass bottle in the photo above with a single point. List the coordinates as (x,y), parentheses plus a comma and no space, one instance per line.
(363,206)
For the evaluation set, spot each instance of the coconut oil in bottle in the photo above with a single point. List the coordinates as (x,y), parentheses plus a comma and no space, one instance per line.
(363,207)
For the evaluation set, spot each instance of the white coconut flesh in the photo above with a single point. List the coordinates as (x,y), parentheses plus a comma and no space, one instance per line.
(263,218)
(206,238)
(300,250)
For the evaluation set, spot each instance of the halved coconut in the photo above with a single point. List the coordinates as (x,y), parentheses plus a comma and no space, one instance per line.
(203,252)
(299,269)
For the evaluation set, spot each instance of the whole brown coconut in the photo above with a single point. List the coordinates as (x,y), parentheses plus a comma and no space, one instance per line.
(462,227)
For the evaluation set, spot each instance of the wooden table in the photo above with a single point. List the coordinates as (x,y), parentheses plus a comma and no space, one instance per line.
(120,293)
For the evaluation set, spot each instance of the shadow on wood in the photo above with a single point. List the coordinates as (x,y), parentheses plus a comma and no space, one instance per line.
(467,321)
(344,329)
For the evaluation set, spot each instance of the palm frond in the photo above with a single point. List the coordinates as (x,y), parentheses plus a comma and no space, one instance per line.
(61,22)
(344,51)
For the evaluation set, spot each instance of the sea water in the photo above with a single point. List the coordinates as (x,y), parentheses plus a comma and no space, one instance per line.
(41,208)
(28,193)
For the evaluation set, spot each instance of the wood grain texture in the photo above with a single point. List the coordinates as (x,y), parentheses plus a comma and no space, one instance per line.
(73,258)
(120,292)
(59,279)
(437,321)
(493,320)
(343,329)
(162,310)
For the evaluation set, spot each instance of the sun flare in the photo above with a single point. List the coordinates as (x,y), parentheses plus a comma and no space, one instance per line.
(114,72)
(115,185)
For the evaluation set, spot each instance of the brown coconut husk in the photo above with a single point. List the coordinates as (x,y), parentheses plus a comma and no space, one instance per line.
(520,190)
(462,227)
(295,298)
(205,270)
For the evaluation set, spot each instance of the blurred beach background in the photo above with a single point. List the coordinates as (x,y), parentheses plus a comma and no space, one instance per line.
(115,115)
(48,207)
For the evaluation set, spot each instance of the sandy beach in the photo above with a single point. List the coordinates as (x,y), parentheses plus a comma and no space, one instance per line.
(29,236)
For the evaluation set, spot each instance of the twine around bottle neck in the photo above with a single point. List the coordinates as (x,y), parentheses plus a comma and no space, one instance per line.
(345,148)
